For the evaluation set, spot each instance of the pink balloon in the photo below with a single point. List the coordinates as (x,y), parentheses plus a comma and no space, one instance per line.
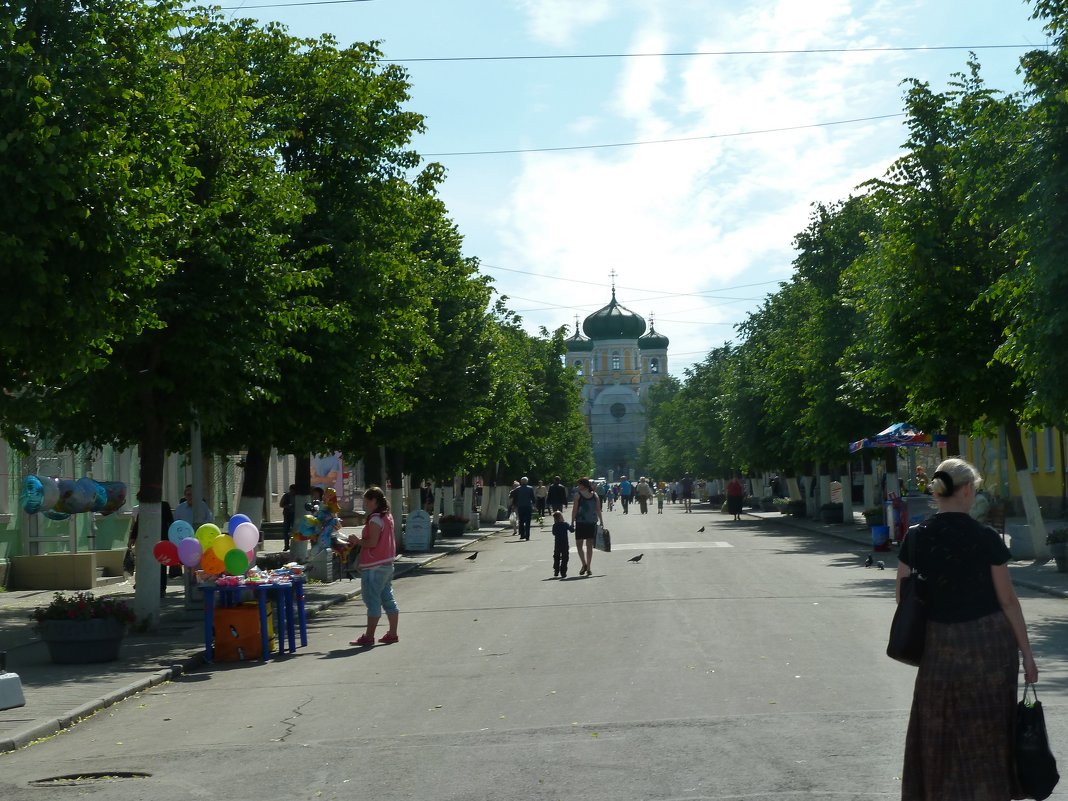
(189,551)
(251,557)
(246,536)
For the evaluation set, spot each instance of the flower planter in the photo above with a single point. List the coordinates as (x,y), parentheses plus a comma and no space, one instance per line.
(831,515)
(797,509)
(452,528)
(75,642)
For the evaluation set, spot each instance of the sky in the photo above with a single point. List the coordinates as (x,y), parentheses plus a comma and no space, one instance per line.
(696,232)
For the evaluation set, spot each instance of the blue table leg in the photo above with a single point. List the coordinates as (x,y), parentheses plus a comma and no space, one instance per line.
(280,616)
(265,643)
(209,623)
(290,630)
(302,618)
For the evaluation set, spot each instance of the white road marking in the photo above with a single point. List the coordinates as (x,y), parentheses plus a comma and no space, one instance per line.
(653,546)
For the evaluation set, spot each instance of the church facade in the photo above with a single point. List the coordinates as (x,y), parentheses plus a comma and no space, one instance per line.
(617,361)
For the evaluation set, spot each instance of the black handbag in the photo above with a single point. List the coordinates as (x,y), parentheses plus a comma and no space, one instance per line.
(908,631)
(1036,767)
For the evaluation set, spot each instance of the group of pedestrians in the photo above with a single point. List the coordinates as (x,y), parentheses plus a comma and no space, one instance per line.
(586,515)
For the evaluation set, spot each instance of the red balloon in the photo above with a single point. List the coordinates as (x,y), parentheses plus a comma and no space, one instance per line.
(166,553)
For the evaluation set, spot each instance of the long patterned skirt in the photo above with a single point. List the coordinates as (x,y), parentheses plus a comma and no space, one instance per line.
(960,735)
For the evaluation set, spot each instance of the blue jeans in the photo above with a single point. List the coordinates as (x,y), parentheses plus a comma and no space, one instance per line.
(376,584)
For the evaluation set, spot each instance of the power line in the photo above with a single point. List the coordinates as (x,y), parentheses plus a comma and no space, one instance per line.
(702,294)
(693,53)
(662,141)
(292,5)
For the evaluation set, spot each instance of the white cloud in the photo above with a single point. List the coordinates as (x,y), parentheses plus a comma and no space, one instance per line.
(557,21)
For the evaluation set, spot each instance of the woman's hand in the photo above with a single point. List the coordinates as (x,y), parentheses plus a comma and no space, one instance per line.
(1030,669)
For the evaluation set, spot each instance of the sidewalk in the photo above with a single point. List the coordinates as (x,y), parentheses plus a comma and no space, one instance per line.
(59,695)
(1025,573)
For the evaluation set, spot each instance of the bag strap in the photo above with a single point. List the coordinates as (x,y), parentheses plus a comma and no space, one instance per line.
(1029,687)
(911,538)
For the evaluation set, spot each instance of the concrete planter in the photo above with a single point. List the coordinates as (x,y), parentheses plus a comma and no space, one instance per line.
(76,642)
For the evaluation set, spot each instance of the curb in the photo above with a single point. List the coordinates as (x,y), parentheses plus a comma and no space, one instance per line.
(1030,584)
(190,662)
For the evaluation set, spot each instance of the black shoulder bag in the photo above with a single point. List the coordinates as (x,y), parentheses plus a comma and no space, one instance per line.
(908,631)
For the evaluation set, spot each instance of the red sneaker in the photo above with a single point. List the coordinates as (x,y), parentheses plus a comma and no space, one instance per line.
(388,638)
(363,641)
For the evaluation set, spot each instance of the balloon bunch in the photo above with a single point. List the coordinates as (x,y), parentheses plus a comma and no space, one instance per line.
(59,498)
(208,548)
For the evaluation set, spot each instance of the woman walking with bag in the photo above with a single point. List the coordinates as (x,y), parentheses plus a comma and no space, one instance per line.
(585,515)
(960,736)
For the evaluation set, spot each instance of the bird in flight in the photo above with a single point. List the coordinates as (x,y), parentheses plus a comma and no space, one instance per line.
(868,561)
(637,558)
(473,557)
(701,530)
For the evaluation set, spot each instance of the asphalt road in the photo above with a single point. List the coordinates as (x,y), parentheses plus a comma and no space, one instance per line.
(745,662)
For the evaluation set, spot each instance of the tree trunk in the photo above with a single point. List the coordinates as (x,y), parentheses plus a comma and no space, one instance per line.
(952,438)
(869,481)
(149,518)
(1036,525)
(846,480)
(254,485)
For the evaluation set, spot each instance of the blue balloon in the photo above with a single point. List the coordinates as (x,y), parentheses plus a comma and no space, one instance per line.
(179,530)
(236,521)
(32,495)
(51,514)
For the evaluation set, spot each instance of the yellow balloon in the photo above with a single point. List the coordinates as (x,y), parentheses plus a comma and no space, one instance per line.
(222,545)
(207,534)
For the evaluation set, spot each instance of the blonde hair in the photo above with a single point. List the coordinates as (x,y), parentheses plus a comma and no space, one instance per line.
(953,474)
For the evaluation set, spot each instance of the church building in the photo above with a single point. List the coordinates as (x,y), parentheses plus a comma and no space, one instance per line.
(617,362)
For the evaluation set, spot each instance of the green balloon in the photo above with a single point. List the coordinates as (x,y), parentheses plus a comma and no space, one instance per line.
(236,562)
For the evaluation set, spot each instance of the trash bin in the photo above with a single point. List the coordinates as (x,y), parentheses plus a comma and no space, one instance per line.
(880,538)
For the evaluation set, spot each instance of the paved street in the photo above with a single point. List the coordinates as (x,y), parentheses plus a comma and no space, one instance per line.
(745,662)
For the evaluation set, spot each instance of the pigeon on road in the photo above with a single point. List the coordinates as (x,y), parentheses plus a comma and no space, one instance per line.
(701,530)
(868,561)
(473,557)
(881,565)
(637,558)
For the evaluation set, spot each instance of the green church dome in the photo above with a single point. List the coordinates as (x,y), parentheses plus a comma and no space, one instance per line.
(614,322)
(653,340)
(578,343)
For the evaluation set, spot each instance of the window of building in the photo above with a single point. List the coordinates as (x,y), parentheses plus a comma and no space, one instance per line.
(1051,448)
(617,363)
(654,365)
(578,367)
(1032,446)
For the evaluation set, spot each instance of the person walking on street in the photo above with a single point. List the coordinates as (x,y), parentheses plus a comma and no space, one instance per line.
(960,741)
(585,515)
(735,496)
(541,497)
(643,492)
(378,549)
(523,498)
(625,490)
(561,544)
(660,500)
(288,515)
(686,489)
(557,495)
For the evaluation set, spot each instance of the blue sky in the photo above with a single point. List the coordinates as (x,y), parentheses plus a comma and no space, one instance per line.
(698,231)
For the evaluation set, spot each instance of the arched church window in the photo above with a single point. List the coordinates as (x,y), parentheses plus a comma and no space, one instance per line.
(617,362)
(654,365)
(578,367)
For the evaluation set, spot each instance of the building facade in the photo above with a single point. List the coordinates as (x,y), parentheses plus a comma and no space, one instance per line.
(617,361)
